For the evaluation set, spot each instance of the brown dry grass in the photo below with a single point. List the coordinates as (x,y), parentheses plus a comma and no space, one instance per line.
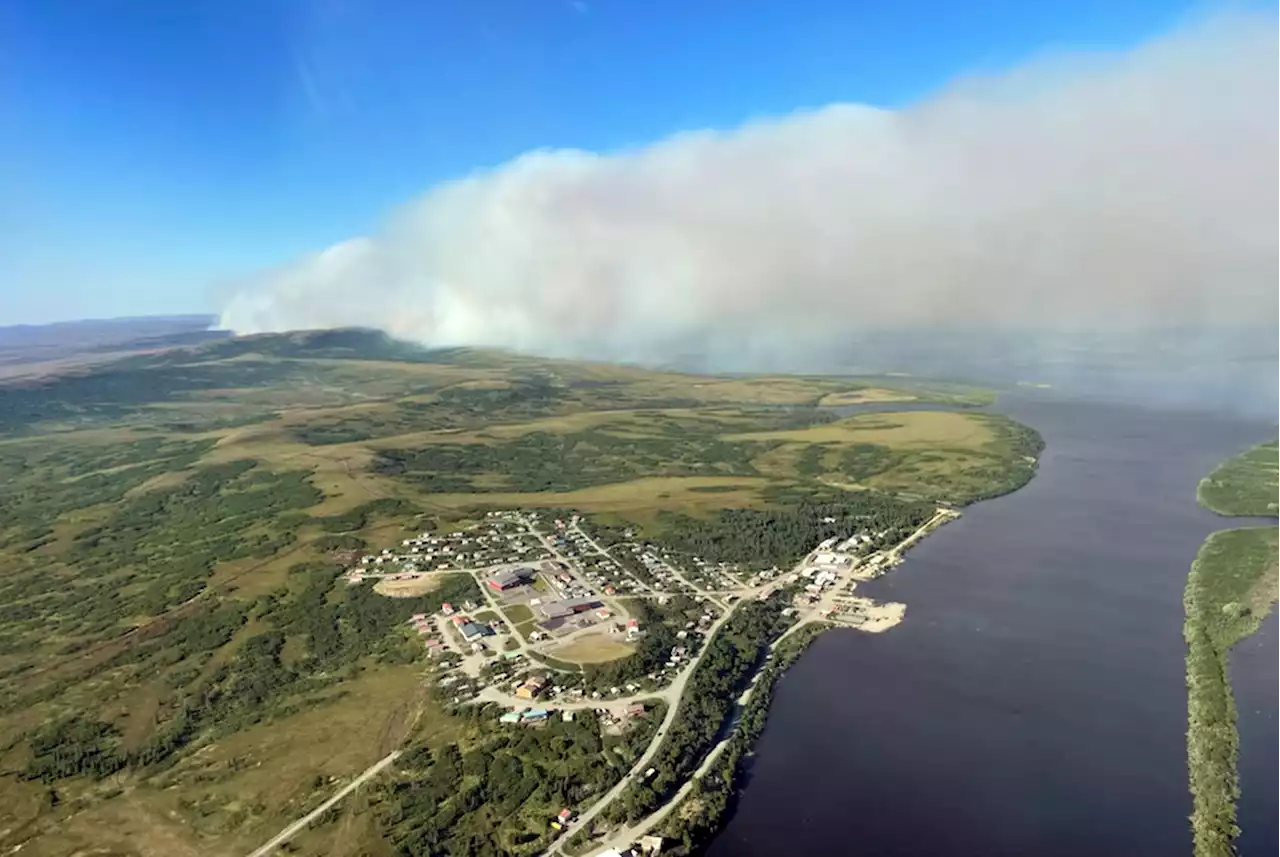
(247,787)
(897,429)
(592,649)
(340,471)
(865,396)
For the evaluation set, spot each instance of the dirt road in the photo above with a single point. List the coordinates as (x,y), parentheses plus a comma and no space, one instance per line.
(292,830)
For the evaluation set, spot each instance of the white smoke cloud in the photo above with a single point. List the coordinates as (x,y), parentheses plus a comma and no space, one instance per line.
(1128,189)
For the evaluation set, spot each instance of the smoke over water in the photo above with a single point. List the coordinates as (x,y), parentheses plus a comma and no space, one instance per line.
(1085,192)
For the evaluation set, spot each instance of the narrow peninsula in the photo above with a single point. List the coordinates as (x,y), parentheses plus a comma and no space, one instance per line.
(1231,588)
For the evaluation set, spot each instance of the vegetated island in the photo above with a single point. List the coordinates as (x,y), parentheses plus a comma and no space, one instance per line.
(1231,588)
(230,574)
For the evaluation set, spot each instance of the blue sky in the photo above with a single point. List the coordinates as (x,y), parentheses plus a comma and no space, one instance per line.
(150,149)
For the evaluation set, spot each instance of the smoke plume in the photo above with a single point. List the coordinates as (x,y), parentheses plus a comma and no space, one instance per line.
(1078,192)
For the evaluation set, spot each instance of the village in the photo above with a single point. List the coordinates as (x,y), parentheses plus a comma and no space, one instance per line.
(553,601)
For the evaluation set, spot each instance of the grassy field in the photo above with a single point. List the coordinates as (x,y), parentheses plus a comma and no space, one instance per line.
(1244,485)
(865,396)
(592,649)
(942,455)
(518,614)
(182,668)
(1232,586)
(904,429)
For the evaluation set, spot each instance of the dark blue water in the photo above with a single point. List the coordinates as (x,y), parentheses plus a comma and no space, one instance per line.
(1255,670)
(1033,701)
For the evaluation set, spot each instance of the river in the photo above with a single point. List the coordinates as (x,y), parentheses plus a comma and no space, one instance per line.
(1033,701)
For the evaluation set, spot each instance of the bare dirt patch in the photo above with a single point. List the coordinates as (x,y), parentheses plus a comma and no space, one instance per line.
(592,649)
(407,588)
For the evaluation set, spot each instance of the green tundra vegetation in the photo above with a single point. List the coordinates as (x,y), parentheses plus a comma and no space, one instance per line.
(1243,485)
(1231,588)
(496,789)
(184,670)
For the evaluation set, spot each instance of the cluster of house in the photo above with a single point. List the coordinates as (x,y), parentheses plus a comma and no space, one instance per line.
(599,569)
(646,846)
(533,715)
(718,574)
(608,719)
(531,687)
(475,546)
(660,569)
(470,629)
(819,580)
(422,623)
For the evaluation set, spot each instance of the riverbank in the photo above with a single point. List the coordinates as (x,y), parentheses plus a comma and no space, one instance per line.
(1035,700)
(713,796)
(1231,588)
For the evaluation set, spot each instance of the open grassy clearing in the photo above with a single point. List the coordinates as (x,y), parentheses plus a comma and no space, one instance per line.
(942,455)
(865,396)
(592,649)
(1243,485)
(518,614)
(898,429)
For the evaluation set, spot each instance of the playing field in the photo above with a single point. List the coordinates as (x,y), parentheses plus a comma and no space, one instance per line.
(407,588)
(592,649)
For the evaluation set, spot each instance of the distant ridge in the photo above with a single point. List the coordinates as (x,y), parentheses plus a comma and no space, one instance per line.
(56,345)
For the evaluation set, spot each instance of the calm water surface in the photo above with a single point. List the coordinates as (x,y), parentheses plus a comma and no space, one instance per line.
(1255,678)
(1032,703)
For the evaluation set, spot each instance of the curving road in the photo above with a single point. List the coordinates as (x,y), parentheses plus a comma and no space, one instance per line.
(673,695)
